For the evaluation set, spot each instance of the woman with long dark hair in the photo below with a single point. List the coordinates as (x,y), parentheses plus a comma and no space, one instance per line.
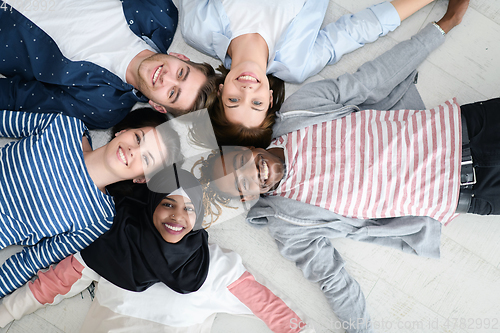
(283,39)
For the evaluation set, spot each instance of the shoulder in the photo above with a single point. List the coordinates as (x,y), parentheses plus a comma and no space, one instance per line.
(59,123)
(86,145)
(205,26)
(157,20)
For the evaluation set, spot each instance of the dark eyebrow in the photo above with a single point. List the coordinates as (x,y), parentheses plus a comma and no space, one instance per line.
(172,199)
(151,156)
(236,184)
(179,90)
(148,152)
(188,70)
(237,105)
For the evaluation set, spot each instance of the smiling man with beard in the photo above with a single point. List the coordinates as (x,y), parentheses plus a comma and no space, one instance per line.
(95,59)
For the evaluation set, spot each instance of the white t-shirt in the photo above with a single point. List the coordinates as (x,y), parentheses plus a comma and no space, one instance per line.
(269,18)
(87,30)
(160,304)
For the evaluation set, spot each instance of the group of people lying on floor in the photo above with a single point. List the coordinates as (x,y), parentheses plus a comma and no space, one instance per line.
(330,161)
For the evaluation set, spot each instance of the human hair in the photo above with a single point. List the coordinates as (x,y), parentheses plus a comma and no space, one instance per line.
(141,117)
(228,133)
(147,117)
(214,199)
(206,89)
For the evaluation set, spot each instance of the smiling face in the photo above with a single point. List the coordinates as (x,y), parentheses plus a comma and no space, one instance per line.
(169,82)
(174,217)
(246,95)
(134,152)
(247,173)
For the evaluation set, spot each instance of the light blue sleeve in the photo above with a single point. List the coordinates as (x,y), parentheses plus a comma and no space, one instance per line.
(373,83)
(204,26)
(352,31)
(347,34)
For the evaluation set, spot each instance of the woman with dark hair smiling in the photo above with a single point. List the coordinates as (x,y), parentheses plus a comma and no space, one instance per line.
(156,240)
(155,237)
(282,39)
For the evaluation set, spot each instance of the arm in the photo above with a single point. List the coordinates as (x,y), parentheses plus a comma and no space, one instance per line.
(19,268)
(380,80)
(266,305)
(406,8)
(307,48)
(303,234)
(158,26)
(16,124)
(67,279)
(322,264)
(381,83)
(98,107)
(352,31)
(238,292)
(199,22)
(419,235)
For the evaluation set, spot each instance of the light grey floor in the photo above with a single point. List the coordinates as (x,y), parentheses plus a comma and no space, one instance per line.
(459,292)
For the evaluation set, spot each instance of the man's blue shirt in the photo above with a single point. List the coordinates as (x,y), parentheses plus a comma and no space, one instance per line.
(39,78)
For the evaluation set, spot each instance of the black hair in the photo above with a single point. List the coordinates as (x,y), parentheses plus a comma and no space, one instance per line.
(147,117)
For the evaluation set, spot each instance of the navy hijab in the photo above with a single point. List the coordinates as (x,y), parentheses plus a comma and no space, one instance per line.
(134,256)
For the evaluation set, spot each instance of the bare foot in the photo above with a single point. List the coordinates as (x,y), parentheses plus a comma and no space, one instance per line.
(454,14)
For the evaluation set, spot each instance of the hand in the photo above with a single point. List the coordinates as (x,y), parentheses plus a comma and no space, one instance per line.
(454,14)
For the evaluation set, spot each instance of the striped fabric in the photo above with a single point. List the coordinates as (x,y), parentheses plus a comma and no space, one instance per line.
(47,198)
(377,164)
